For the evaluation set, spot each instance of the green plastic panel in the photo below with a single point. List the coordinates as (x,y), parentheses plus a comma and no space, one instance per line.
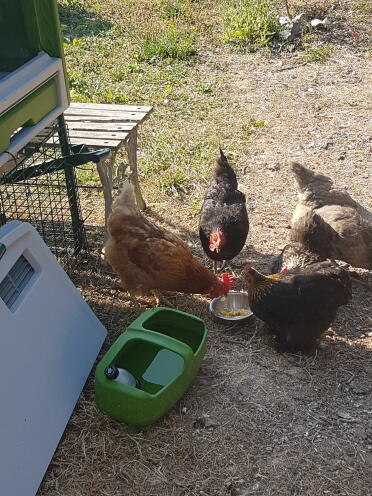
(49,29)
(28,112)
(26,28)
(16,24)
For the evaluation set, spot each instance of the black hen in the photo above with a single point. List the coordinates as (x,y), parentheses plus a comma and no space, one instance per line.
(224,225)
(301,303)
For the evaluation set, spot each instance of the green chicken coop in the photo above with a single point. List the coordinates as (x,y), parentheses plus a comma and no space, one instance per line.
(32,72)
(37,160)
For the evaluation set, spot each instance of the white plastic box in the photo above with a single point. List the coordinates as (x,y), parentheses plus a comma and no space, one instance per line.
(49,340)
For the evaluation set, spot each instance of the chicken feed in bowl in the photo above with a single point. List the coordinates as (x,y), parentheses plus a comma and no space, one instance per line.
(234,306)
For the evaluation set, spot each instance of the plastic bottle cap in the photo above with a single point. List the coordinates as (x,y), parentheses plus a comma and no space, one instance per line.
(111,372)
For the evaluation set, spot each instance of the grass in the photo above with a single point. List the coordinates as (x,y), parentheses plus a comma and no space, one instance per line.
(363,7)
(172,42)
(320,53)
(151,64)
(171,10)
(251,24)
(150,53)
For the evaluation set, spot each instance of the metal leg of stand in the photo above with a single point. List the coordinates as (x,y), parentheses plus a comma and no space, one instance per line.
(131,148)
(77,223)
(105,168)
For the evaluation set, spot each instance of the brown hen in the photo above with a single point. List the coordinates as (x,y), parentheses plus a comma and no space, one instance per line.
(147,257)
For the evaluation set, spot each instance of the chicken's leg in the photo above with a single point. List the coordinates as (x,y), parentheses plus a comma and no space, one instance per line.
(160,299)
(217,269)
(134,300)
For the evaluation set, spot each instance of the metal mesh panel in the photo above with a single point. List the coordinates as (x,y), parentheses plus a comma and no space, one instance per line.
(38,187)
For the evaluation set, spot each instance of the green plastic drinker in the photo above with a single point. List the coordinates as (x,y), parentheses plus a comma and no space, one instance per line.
(150,365)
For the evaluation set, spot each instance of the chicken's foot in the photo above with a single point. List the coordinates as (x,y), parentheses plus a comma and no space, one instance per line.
(134,300)
(161,300)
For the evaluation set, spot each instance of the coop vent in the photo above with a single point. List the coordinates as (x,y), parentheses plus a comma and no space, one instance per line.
(15,282)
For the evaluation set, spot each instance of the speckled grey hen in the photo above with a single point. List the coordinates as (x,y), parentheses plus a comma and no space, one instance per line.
(327,221)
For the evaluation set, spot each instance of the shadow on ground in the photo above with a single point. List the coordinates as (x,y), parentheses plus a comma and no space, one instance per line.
(79,23)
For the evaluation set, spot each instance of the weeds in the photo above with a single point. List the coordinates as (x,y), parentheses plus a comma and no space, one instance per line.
(321,53)
(171,42)
(364,9)
(171,10)
(251,24)
(250,126)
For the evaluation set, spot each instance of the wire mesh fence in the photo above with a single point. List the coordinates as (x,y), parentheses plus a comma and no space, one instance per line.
(39,186)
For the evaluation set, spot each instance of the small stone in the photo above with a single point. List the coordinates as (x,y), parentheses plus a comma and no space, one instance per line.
(361,385)
(283,20)
(342,156)
(346,417)
(327,144)
(205,421)
(317,23)
(296,372)
(300,17)
(285,34)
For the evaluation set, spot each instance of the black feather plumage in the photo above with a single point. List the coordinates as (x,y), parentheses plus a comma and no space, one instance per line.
(300,304)
(224,208)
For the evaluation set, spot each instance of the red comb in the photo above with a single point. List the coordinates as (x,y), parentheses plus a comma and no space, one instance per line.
(227,279)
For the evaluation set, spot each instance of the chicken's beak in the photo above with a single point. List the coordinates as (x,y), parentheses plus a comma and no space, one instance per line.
(214,247)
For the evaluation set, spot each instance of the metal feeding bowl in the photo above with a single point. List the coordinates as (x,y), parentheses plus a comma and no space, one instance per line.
(235,302)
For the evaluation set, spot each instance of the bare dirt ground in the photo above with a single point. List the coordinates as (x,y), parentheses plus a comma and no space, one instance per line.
(255,421)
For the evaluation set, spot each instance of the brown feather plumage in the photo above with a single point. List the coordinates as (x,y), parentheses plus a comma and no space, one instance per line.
(330,223)
(148,257)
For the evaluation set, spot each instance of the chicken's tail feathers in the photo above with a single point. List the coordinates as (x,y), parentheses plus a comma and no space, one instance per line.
(306,178)
(222,155)
(222,160)
(347,283)
(126,200)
